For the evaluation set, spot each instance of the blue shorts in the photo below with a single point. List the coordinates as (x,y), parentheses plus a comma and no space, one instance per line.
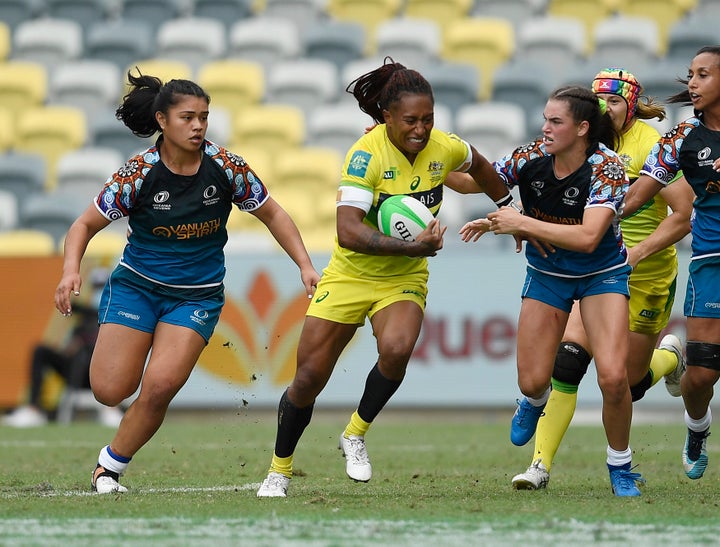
(138,303)
(702,297)
(561,292)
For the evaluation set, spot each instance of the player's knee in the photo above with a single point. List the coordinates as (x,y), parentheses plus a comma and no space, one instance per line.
(703,354)
(571,363)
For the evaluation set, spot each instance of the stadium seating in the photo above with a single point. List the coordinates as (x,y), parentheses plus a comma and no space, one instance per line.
(84,12)
(275,127)
(7,130)
(8,211)
(589,12)
(416,43)
(51,131)
(83,172)
(154,13)
(47,41)
(5,41)
(22,85)
(232,84)
(165,69)
(442,12)
(687,36)
(304,82)
(304,12)
(337,126)
(454,84)
(120,41)
(192,40)
(22,174)
(525,84)
(665,13)
(339,42)
(50,213)
(14,12)
(368,13)
(554,42)
(493,128)
(617,39)
(515,11)
(486,42)
(88,84)
(225,11)
(265,40)
(106,131)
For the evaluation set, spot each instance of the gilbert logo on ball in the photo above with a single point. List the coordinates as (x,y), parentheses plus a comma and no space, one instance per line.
(403,217)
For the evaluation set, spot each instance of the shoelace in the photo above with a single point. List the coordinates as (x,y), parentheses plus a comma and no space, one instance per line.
(276,481)
(695,443)
(358,451)
(524,410)
(627,479)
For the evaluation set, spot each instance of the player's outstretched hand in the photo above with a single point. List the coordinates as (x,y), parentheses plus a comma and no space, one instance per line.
(474,229)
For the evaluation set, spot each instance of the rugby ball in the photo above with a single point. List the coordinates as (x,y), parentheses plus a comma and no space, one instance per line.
(403,217)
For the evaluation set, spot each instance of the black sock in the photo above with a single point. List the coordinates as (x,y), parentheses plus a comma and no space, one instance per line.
(638,390)
(292,421)
(378,391)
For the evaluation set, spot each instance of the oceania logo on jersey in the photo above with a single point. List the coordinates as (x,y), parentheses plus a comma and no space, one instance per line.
(537,185)
(704,153)
(570,196)
(199,316)
(159,200)
(210,195)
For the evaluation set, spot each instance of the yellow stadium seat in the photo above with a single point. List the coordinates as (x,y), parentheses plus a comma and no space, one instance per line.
(51,132)
(232,84)
(5,44)
(26,243)
(22,85)
(588,12)
(484,42)
(368,13)
(165,69)
(105,244)
(7,130)
(274,127)
(441,12)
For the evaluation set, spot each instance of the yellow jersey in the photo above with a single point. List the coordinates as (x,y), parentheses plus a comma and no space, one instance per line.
(374,166)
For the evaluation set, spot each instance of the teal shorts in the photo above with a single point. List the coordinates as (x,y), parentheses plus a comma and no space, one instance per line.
(702,298)
(138,303)
(561,292)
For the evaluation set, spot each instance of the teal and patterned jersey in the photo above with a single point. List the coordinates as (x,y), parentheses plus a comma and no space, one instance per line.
(177,223)
(599,182)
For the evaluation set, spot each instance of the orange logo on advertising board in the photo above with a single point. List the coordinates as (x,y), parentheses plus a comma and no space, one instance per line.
(257,335)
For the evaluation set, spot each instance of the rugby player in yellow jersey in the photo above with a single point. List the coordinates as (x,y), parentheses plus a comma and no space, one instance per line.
(649,235)
(371,275)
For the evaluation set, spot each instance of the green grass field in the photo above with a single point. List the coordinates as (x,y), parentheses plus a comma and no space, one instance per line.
(440,478)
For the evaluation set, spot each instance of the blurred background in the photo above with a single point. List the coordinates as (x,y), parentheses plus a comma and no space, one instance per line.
(276,71)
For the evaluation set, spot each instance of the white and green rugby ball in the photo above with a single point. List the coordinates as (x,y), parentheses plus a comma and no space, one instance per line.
(403,217)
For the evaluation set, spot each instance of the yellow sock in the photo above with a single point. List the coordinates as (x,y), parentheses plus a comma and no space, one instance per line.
(553,424)
(281,465)
(663,362)
(357,426)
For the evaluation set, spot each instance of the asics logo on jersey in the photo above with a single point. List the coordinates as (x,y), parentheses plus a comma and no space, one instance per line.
(322,296)
(415,183)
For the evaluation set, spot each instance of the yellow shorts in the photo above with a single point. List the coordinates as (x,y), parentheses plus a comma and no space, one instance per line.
(651,302)
(349,300)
